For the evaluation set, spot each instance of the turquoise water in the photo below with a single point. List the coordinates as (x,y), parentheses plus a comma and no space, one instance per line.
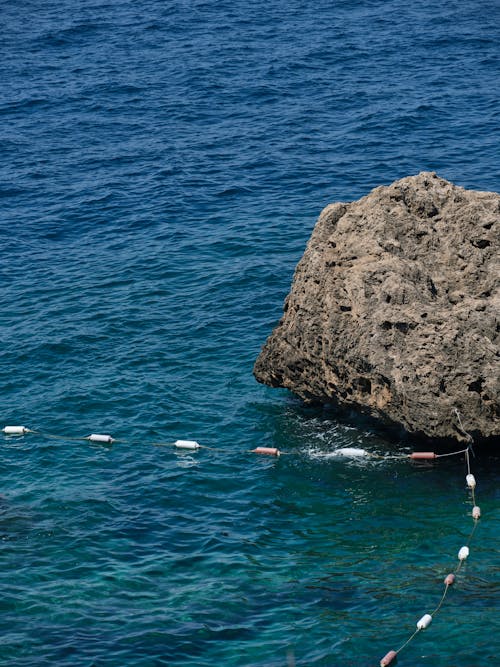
(162,167)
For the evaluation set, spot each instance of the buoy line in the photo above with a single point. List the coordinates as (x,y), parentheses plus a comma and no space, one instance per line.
(105,439)
(352,452)
(463,554)
(193,445)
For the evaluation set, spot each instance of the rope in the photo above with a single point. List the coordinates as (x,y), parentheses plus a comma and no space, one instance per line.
(446,587)
(460,451)
(469,540)
(461,426)
(408,640)
(51,436)
(461,558)
(193,446)
(108,440)
(172,444)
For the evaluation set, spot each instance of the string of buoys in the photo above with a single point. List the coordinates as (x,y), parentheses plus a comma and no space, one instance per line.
(105,439)
(463,553)
(192,445)
(349,452)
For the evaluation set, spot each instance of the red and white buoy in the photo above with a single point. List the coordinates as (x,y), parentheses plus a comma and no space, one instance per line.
(270,451)
(388,658)
(423,456)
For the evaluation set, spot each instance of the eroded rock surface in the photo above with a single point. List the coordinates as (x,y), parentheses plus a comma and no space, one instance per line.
(394,309)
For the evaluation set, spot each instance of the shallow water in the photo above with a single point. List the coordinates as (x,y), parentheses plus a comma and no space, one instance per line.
(162,167)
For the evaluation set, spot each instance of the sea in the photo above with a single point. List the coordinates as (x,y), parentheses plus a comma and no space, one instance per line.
(162,166)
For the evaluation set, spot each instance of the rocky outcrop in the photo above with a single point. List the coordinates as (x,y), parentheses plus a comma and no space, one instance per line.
(394,310)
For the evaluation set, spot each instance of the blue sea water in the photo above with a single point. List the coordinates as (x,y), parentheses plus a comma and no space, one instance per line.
(162,165)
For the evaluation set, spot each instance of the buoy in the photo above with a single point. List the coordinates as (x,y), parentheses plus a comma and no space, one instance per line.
(449,580)
(463,553)
(186,444)
(471,481)
(423,456)
(424,622)
(98,437)
(388,658)
(350,451)
(476,512)
(271,451)
(15,430)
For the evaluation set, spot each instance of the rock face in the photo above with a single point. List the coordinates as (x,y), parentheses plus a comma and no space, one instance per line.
(394,310)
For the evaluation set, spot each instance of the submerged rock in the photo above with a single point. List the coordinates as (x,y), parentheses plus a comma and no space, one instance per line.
(394,310)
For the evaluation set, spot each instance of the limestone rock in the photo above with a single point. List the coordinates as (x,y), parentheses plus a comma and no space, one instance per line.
(394,310)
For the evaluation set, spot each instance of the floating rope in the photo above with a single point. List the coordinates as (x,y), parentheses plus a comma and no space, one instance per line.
(193,445)
(104,439)
(464,551)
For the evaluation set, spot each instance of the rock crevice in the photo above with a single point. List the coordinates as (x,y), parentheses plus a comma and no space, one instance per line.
(394,309)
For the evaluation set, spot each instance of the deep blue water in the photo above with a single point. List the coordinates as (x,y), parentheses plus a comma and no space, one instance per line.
(162,165)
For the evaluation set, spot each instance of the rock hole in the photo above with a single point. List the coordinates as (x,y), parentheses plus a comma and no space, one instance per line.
(481,243)
(404,327)
(432,287)
(476,386)
(363,385)
(383,382)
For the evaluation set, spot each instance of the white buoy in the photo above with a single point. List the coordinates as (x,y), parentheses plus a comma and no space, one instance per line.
(98,437)
(350,451)
(187,444)
(463,553)
(476,512)
(424,622)
(471,481)
(15,430)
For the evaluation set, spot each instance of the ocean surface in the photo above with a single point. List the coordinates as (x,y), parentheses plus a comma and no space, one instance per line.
(162,165)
